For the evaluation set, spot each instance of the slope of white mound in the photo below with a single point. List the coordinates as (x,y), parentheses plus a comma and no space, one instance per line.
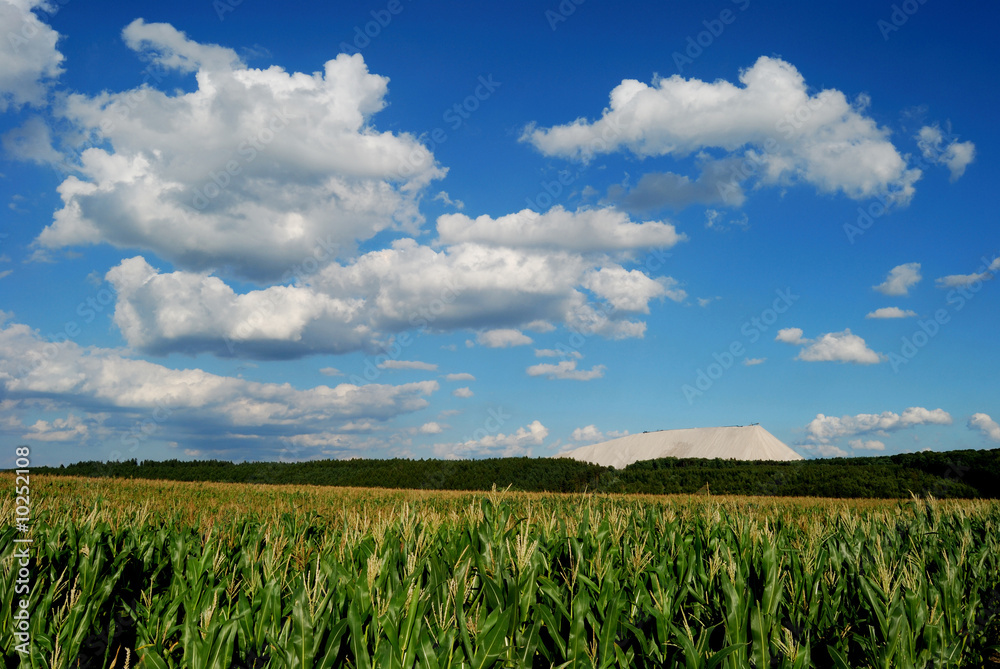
(751,442)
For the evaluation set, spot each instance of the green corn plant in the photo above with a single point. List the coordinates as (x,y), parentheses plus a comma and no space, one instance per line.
(321,578)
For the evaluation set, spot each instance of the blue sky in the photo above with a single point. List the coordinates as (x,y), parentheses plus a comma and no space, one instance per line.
(250,232)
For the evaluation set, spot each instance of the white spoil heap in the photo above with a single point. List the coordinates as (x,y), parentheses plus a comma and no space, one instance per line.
(751,442)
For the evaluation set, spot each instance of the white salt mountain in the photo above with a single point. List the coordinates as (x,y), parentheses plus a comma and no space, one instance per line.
(751,442)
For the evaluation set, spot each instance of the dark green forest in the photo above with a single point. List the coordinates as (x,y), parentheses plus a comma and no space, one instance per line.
(966,474)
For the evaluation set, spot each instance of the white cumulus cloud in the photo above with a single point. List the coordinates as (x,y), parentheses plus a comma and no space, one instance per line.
(29,59)
(986,425)
(631,290)
(826,429)
(584,230)
(866,445)
(831,451)
(830,347)
(408,364)
(891,312)
(987,272)
(591,434)
(900,279)
(503,338)
(516,444)
(955,155)
(770,118)
(257,171)
(190,405)
(431,428)
(566,369)
(789,335)
(71,428)
(355,306)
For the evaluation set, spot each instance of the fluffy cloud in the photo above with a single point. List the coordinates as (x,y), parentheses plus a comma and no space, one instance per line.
(750,362)
(591,434)
(891,312)
(830,347)
(825,429)
(133,397)
(566,369)
(557,353)
(866,445)
(500,445)
(539,326)
(956,155)
(408,364)
(989,427)
(256,171)
(193,313)
(431,428)
(630,290)
(790,335)
(584,230)
(71,428)
(461,376)
(987,271)
(29,60)
(503,338)
(821,139)
(473,286)
(462,392)
(900,279)
(344,308)
(31,142)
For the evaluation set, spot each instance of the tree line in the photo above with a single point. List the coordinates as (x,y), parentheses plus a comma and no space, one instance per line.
(964,474)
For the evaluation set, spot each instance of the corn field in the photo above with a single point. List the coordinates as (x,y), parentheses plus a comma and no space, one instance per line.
(162,574)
